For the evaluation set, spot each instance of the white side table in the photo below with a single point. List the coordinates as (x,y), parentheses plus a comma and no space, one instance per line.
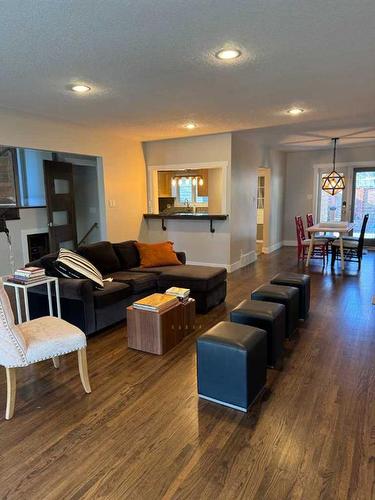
(46,281)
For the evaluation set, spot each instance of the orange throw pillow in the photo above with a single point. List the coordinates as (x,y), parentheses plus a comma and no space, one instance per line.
(157,254)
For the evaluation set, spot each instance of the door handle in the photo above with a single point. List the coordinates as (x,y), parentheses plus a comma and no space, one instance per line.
(50,224)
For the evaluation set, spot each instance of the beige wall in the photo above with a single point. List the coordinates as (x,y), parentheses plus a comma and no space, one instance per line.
(300,180)
(190,150)
(123,163)
(206,148)
(234,243)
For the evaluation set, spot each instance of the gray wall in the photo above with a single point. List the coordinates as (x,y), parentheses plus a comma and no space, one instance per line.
(243,199)
(300,180)
(250,150)
(31,218)
(277,198)
(86,201)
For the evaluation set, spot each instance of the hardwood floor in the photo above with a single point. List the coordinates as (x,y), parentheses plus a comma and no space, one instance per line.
(143,434)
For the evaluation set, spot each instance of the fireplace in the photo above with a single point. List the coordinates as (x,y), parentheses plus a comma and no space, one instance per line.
(38,245)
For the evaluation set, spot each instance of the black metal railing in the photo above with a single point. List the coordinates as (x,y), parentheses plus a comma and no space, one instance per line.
(95,225)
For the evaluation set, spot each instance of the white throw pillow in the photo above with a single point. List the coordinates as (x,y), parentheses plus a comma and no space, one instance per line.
(71,265)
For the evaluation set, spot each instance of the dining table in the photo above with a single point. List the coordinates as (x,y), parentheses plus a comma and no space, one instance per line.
(339,228)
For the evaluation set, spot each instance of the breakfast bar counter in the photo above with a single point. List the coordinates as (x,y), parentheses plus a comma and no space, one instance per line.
(187,216)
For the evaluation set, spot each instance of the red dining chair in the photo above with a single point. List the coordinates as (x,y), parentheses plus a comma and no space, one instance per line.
(309,222)
(320,245)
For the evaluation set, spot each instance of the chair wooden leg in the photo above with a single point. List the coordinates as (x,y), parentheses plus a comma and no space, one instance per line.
(303,254)
(11,392)
(299,254)
(342,253)
(83,373)
(56,362)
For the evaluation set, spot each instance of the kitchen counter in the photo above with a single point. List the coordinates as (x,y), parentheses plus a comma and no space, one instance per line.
(187,216)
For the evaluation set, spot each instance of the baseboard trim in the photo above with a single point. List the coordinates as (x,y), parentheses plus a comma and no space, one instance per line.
(272,248)
(209,264)
(289,243)
(245,260)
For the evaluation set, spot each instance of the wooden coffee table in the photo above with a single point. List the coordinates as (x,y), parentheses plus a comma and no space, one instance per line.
(157,333)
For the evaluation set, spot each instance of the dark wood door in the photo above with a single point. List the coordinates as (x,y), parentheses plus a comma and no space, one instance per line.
(58,177)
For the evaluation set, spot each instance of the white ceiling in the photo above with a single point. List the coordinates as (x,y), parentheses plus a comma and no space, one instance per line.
(151,63)
(314,135)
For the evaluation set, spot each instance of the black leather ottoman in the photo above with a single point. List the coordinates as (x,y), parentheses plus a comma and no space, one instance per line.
(232,364)
(269,317)
(300,281)
(286,295)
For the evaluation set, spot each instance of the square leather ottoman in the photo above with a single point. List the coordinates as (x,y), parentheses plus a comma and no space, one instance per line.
(269,317)
(232,364)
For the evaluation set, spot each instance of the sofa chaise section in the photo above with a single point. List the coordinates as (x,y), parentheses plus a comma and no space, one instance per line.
(207,284)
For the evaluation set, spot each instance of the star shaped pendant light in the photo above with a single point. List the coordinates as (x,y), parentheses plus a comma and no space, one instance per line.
(334,182)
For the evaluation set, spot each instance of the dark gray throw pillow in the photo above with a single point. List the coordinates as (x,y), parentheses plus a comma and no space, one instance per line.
(102,255)
(128,254)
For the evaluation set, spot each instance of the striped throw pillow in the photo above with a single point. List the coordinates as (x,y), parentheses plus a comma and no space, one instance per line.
(71,265)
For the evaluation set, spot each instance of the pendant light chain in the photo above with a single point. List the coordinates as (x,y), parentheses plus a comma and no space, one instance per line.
(334,152)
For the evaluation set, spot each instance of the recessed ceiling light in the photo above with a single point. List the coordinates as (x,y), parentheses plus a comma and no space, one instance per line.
(295,111)
(190,125)
(81,89)
(228,54)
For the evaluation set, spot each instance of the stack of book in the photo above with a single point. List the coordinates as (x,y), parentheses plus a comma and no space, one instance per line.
(182,294)
(27,275)
(157,302)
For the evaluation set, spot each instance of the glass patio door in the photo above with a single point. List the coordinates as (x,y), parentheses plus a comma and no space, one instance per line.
(363,202)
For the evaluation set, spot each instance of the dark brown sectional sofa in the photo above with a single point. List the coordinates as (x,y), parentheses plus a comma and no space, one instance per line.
(92,310)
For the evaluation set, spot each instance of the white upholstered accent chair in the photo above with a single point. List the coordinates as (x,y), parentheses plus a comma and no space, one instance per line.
(36,340)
